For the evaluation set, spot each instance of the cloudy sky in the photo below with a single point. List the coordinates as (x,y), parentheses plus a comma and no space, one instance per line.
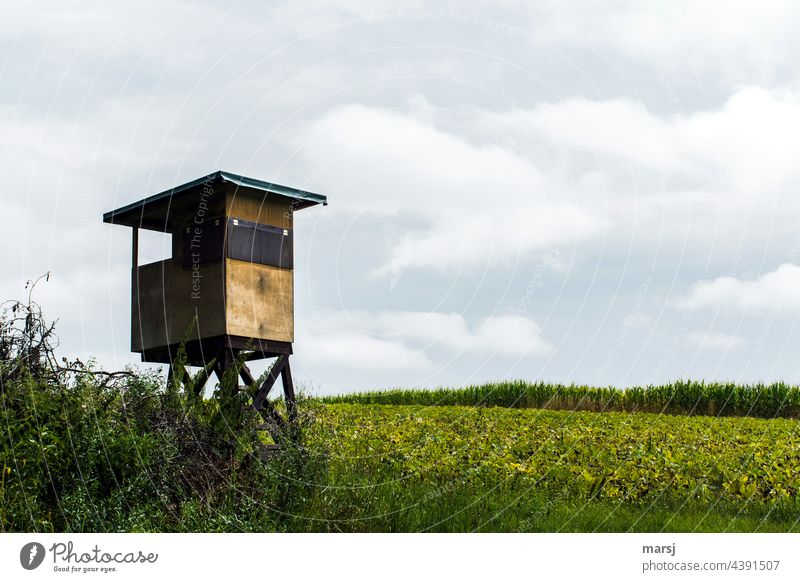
(601,192)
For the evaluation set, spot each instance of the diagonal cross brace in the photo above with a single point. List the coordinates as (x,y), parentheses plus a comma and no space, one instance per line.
(261,396)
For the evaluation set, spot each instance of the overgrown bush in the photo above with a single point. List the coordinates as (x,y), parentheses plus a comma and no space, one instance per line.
(87,450)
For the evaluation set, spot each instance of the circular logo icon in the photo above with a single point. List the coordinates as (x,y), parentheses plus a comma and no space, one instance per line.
(31,555)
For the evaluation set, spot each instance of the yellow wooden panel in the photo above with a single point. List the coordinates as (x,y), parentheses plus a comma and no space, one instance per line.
(166,298)
(260,301)
(257,206)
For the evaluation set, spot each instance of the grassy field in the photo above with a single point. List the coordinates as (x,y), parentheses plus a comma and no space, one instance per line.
(450,468)
(686,398)
(85,455)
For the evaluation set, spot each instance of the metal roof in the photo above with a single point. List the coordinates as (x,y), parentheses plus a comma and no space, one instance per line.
(132,214)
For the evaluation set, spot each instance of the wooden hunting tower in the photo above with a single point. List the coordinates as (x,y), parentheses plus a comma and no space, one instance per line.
(228,287)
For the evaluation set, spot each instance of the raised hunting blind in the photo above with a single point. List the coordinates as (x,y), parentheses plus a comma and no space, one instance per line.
(227,291)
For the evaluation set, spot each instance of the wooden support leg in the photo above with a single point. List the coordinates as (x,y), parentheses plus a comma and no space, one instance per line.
(247,375)
(223,364)
(274,423)
(219,370)
(179,372)
(230,358)
(288,391)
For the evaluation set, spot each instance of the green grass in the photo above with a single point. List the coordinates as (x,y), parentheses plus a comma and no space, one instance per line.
(136,456)
(683,397)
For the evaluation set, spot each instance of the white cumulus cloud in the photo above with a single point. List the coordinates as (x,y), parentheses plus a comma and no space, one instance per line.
(750,39)
(745,146)
(476,203)
(403,339)
(356,350)
(778,289)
